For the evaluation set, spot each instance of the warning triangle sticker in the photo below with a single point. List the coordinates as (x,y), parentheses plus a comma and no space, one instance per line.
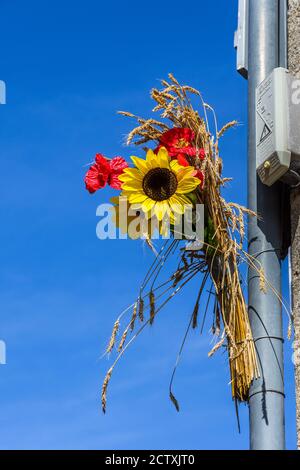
(265,133)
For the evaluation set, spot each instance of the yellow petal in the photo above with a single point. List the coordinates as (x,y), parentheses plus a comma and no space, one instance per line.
(187,185)
(150,155)
(141,164)
(179,169)
(164,229)
(178,203)
(174,165)
(175,218)
(147,205)
(136,198)
(132,185)
(160,209)
(187,172)
(163,158)
(134,173)
(152,160)
(128,170)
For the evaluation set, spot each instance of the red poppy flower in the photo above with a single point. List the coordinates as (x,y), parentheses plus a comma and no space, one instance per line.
(104,171)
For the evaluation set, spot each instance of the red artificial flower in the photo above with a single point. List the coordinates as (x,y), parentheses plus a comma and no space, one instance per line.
(182,160)
(200,153)
(179,144)
(97,176)
(199,174)
(178,140)
(117,166)
(104,171)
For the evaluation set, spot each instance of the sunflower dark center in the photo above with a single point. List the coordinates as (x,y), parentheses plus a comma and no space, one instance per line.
(159,184)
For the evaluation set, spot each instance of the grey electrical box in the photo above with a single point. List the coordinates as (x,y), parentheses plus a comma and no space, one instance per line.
(277,125)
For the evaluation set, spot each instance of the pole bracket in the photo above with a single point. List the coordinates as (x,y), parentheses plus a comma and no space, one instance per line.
(241,38)
(269,337)
(270,390)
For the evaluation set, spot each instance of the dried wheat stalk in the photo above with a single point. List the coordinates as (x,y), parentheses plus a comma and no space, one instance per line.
(174,104)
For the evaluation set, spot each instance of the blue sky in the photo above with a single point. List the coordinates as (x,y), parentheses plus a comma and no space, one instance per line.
(68,68)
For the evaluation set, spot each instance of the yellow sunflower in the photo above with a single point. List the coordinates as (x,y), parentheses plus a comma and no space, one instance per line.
(134,223)
(158,185)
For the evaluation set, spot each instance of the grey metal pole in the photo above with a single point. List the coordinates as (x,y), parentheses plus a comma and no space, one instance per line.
(294,67)
(266,401)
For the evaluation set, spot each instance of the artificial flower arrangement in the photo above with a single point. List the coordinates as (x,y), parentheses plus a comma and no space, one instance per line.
(182,167)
